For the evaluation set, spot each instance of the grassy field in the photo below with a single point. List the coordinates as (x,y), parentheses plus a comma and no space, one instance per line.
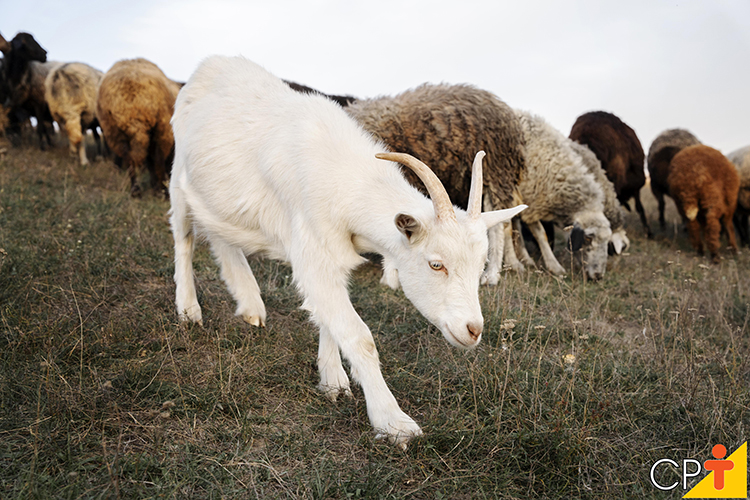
(575,391)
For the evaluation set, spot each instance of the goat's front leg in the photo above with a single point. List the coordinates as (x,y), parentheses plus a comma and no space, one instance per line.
(333,379)
(342,328)
(548,256)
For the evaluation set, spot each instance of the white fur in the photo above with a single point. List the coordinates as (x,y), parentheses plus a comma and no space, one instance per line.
(261,168)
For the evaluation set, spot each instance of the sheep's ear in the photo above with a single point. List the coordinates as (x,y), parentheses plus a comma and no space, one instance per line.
(577,236)
(4,45)
(409,227)
(497,216)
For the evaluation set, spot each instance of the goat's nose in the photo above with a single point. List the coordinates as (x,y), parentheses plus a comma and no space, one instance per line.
(475,330)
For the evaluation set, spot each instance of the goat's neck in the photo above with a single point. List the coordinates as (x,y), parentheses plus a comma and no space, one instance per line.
(373,224)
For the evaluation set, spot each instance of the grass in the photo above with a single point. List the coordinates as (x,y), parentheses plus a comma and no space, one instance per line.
(576,390)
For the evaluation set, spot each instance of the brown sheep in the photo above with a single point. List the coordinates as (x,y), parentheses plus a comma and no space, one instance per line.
(660,154)
(704,185)
(70,92)
(621,154)
(741,160)
(445,126)
(134,105)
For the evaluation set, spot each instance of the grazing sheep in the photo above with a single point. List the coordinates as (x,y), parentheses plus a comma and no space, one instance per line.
(741,160)
(26,67)
(70,92)
(704,186)
(260,168)
(134,104)
(660,154)
(342,100)
(558,187)
(444,125)
(612,207)
(620,152)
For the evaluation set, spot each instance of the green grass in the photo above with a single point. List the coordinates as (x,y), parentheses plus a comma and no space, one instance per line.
(104,395)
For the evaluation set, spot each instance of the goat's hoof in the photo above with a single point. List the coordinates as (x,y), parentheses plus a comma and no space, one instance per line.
(253,320)
(332,393)
(400,437)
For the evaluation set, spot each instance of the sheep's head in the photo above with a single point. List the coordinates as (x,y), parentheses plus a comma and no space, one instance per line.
(441,257)
(591,234)
(23,48)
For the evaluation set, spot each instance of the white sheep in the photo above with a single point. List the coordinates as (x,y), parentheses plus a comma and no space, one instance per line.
(70,92)
(558,187)
(260,168)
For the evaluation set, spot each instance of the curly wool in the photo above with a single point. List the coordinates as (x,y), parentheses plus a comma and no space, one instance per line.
(444,126)
(70,92)
(557,184)
(704,185)
(612,208)
(135,102)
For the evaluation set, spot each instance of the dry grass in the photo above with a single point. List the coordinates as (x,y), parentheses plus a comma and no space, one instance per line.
(104,395)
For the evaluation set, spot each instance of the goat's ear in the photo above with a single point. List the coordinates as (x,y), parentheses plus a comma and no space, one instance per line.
(409,227)
(497,216)
(577,236)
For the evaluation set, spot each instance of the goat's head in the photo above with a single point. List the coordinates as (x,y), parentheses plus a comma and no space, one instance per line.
(441,257)
(591,234)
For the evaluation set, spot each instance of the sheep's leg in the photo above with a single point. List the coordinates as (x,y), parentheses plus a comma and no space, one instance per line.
(135,157)
(741,223)
(712,233)
(333,379)
(537,229)
(236,273)
(642,213)
(694,235)
(660,200)
(509,253)
(523,252)
(729,226)
(326,297)
(72,128)
(496,249)
(97,139)
(186,297)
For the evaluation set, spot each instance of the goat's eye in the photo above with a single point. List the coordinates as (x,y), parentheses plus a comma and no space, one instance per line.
(436,265)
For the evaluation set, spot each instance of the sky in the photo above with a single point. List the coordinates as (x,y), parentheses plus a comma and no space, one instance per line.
(656,64)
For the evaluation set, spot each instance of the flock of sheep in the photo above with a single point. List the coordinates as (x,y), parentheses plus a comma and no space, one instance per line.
(256,164)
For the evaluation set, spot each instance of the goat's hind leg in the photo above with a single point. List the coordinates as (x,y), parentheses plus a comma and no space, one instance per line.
(236,273)
(184,241)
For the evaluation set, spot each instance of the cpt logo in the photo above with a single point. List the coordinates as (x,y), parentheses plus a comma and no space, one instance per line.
(727,477)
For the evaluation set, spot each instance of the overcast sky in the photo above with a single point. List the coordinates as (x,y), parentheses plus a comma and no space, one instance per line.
(656,64)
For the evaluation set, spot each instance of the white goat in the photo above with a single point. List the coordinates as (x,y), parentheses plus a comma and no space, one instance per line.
(261,168)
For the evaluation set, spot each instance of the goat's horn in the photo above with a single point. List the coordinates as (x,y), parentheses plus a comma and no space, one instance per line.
(440,199)
(475,193)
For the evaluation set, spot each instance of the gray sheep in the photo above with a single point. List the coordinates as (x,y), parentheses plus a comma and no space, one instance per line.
(558,187)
